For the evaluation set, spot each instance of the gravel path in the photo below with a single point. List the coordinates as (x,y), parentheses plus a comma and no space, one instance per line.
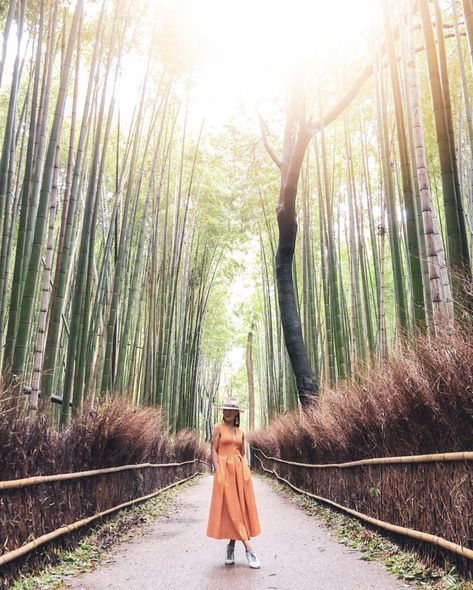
(295,552)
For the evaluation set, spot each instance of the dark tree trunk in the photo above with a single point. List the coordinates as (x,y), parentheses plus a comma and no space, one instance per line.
(296,139)
(291,323)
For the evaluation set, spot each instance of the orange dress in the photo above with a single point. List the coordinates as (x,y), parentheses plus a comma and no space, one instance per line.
(233,513)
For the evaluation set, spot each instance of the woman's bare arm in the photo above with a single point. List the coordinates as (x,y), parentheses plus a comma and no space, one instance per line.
(243,446)
(215,439)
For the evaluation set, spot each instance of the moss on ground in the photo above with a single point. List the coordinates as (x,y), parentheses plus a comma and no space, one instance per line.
(90,550)
(406,565)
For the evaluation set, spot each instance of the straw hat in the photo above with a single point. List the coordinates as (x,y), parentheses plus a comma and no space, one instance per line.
(230,403)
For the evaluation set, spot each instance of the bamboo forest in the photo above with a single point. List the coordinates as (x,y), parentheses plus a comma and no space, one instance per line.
(214,212)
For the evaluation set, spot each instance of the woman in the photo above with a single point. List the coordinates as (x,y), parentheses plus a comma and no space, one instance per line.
(233,513)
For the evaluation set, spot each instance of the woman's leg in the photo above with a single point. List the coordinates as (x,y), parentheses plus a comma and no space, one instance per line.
(230,559)
(253,560)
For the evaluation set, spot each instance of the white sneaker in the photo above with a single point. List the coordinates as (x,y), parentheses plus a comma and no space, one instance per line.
(230,559)
(253,560)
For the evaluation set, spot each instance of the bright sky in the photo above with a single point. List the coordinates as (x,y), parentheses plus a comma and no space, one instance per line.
(251,47)
(255,44)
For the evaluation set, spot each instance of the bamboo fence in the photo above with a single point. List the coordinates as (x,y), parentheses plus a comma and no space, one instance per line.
(28,547)
(432,458)
(408,532)
(39,479)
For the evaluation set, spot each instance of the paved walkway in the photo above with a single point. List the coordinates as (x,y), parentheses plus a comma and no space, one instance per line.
(295,552)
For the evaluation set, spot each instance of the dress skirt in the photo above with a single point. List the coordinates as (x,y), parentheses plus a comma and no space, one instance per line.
(233,513)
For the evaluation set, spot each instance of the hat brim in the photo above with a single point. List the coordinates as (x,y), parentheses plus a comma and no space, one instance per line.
(229,408)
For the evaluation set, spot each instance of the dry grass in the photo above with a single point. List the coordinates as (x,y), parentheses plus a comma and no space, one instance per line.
(115,434)
(419,402)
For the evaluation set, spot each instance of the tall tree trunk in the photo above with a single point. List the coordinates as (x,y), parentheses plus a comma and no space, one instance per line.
(19,359)
(64,262)
(251,381)
(436,290)
(44,301)
(296,139)
(6,166)
(407,185)
(468,15)
(402,314)
(457,245)
(463,76)
(6,33)
(15,298)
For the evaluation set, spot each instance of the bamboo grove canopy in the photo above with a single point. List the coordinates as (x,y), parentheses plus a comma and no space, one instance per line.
(140,254)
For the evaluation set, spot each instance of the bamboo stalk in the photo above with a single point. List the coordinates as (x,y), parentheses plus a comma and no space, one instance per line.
(6,164)
(122,245)
(458,256)
(400,530)
(430,458)
(30,290)
(6,32)
(64,262)
(390,203)
(25,192)
(440,295)
(12,484)
(12,555)
(413,261)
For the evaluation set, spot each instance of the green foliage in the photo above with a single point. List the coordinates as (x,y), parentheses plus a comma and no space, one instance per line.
(229,233)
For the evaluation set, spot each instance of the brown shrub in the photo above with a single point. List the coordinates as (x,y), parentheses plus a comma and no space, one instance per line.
(112,435)
(419,402)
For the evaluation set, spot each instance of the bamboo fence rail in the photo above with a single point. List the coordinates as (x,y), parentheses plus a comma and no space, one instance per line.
(412,533)
(38,479)
(28,547)
(205,462)
(433,458)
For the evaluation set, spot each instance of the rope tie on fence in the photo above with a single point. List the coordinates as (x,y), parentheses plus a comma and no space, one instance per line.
(432,458)
(412,533)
